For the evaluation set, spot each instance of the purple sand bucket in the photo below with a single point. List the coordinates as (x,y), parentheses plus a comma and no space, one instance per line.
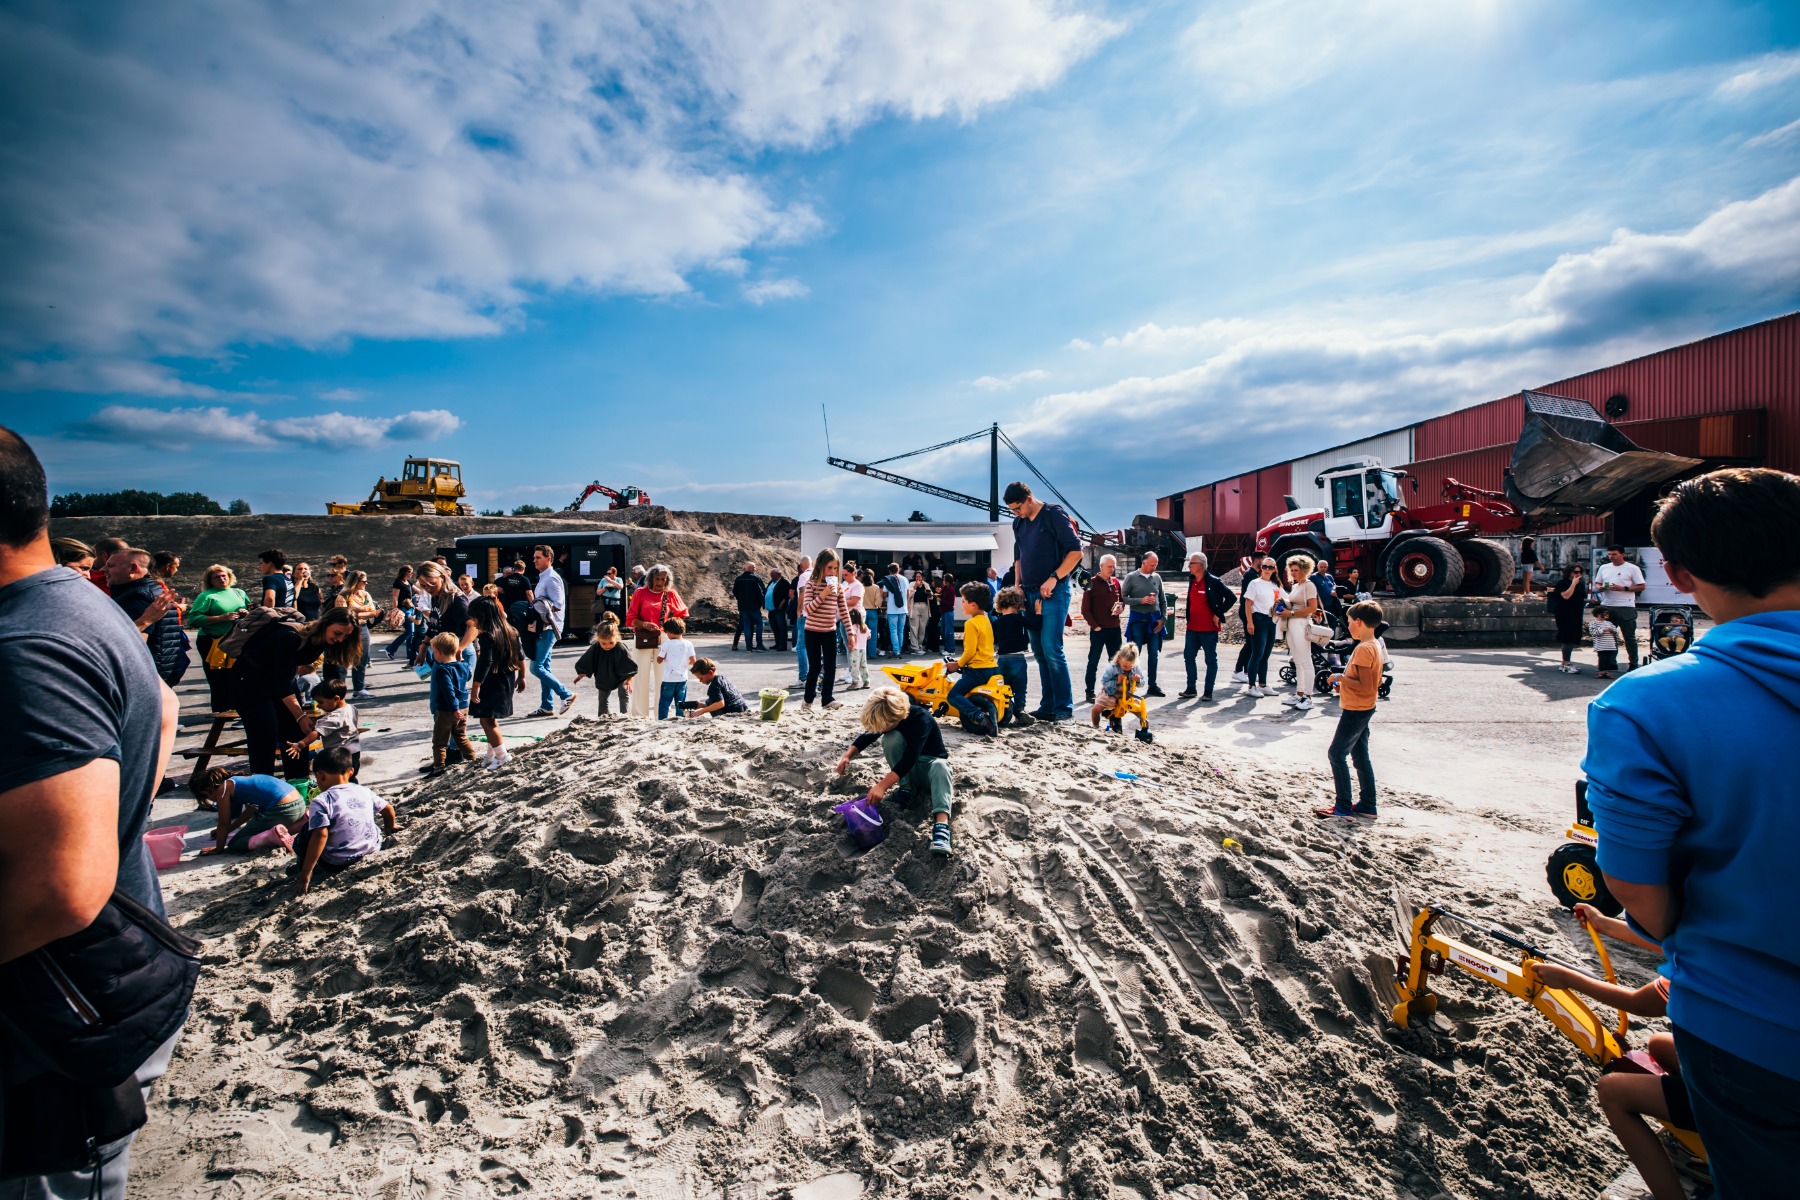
(867,829)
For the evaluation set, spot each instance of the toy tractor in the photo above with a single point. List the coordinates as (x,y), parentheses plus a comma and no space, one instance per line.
(1574,869)
(1130,705)
(929,684)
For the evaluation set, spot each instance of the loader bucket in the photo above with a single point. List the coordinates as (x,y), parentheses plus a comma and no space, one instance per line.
(1569,462)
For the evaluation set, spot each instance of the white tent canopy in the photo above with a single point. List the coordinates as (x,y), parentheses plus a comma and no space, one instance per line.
(923,543)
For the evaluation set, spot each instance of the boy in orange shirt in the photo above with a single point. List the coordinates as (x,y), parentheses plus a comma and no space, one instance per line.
(1357,688)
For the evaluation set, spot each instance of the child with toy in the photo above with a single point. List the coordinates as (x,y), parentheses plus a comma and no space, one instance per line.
(913,746)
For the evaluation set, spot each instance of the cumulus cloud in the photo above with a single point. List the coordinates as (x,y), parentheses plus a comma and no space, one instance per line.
(762,292)
(1006,383)
(1262,390)
(181,428)
(221,173)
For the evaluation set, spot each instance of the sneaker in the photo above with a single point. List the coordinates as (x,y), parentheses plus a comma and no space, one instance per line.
(1241,677)
(1257,693)
(363,694)
(1188,694)
(1333,812)
(1087,699)
(1044,714)
(567,704)
(1023,719)
(542,712)
(807,706)
(940,838)
(834,704)
(1206,698)
(1058,718)
(1155,691)
(1368,814)
(1291,701)
(1302,704)
(499,759)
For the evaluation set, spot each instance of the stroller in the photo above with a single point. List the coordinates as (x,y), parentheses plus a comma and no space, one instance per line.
(1329,658)
(1671,633)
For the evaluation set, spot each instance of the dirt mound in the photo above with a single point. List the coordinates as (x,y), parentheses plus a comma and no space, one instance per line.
(704,550)
(642,961)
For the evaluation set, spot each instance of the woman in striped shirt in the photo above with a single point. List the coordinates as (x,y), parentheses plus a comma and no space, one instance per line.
(822,608)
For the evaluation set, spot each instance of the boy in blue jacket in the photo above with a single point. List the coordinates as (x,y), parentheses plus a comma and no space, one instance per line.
(1690,779)
(450,701)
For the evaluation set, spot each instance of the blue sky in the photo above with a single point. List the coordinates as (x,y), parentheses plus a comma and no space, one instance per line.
(266,251)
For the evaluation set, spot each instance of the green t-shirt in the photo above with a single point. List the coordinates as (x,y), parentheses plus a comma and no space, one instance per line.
(215,602)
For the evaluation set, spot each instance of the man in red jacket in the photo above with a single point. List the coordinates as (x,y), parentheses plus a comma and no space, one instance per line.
(1101,604)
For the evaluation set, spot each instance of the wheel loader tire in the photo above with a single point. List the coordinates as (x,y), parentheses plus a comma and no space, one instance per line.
(1487,568)
(1425,566)
(1574,874)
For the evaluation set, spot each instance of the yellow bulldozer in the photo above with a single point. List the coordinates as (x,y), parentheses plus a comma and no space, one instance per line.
(426,486)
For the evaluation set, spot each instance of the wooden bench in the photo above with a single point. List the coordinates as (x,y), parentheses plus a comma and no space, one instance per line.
(212,746)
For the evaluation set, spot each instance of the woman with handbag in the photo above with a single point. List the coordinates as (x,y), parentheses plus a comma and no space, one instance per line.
(650,606)
(365,612)
(209,617)
(1302,600)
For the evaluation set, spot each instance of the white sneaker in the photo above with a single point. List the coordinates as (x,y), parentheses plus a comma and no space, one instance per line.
(1302,704)
(364,694)
(1241,677)
(1291,701)
(1256,692)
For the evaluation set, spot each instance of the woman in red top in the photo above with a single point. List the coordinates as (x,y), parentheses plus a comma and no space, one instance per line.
(650,606)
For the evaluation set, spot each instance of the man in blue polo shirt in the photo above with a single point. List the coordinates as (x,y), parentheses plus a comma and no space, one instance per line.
(1692,787)
(1047,551)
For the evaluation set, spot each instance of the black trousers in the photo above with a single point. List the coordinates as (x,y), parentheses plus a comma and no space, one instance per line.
(218,681)
(821,657)
(1102,643)
(268,728)
(778,622)
(1352,742)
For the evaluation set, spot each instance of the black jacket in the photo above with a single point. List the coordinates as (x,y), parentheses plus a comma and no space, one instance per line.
(784,596)
(748,588)
(1218,597)
(165,640)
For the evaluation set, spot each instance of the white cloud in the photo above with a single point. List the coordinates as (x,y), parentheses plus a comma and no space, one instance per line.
(1280,386)
(762,292)
(343,395)
(1769,71)
(1774,137)
(998,383)
(183,428)
(223,173)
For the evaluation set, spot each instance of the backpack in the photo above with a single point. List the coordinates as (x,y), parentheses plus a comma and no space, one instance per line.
(252,622)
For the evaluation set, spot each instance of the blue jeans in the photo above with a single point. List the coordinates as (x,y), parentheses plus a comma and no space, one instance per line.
(1262,642)
(800,647)
(1748,1116)
(973,712)
(750,626)
(672,694)
(896,623)
(549,686)
(948,628)
(1016,674)
(1047,646)
(1197,642)
(1140,631)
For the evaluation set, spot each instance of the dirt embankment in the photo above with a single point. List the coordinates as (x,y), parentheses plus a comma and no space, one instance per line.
(705,551)
(643,961)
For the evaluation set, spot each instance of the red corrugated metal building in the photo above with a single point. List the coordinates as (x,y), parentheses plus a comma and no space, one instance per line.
(1729,399)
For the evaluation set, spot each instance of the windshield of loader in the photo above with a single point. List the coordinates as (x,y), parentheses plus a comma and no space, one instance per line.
(1382,494)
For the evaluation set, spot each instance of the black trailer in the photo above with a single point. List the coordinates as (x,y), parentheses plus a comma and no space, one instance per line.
(582,557)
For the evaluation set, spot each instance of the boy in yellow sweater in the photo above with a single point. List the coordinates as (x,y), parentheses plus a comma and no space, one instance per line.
(978,663)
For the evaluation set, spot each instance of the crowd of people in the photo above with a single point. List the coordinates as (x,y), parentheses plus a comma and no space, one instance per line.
(1695,814)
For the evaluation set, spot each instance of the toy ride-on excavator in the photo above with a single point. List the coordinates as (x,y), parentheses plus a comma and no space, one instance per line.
(1429,951)
(929,684)
(1574,868)
(1130,705)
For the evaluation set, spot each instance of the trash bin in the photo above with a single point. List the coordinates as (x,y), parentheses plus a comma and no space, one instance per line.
(772,700)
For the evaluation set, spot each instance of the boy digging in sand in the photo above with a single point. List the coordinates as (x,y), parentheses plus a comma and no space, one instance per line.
(340,824)
(913,746)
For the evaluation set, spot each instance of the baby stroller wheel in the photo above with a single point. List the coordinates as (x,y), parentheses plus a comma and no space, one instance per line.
(1145,736)
(1387,685)
(1287,673)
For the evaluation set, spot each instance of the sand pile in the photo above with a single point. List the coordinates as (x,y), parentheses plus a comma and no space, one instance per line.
(642,961)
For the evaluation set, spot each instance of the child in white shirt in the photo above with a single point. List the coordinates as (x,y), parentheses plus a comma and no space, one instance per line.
(675,653)
(1607,636)
(858,637)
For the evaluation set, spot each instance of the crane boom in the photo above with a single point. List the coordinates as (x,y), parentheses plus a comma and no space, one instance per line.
(930,489)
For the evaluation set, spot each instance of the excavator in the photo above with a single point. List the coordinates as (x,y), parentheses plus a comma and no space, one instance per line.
(625,497)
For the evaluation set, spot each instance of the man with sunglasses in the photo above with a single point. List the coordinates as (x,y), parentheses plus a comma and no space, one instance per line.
(1047,552)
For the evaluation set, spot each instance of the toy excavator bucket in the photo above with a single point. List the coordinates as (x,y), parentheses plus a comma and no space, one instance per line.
(1570,462)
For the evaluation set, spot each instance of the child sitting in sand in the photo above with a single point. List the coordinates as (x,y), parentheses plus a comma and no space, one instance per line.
(977,664)
(1606,637)
(337,724)
(256,812)
(608,663)
(675,654)
(450,699)
(1625,1097)
(1112,680)
(857,635)
(721,696)
(913,746)
(340,823)
(1012,651)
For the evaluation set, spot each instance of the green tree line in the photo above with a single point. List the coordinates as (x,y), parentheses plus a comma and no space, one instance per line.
(134,503)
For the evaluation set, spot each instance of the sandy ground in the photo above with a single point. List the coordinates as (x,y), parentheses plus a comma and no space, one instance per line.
(641,962)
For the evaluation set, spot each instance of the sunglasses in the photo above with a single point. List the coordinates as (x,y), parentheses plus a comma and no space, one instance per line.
(1266,567)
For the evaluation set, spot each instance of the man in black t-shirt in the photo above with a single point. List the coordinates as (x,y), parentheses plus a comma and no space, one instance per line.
(89,727)
(277,590)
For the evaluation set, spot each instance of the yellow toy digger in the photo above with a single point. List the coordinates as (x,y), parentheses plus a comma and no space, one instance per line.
(929,684)
(1428,952)
(1130,704)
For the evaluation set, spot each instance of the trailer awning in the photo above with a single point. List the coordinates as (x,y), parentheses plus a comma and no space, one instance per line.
(921,543)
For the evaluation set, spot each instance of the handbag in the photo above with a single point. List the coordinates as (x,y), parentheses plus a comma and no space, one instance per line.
(1318,634)
(93,1006)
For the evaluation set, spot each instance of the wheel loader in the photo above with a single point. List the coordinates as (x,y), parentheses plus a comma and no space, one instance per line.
(427,486)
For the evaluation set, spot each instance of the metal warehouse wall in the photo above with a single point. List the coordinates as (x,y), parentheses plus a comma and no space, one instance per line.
(1477,468)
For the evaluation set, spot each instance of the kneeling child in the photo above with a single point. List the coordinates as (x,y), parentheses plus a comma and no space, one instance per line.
(914,748)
